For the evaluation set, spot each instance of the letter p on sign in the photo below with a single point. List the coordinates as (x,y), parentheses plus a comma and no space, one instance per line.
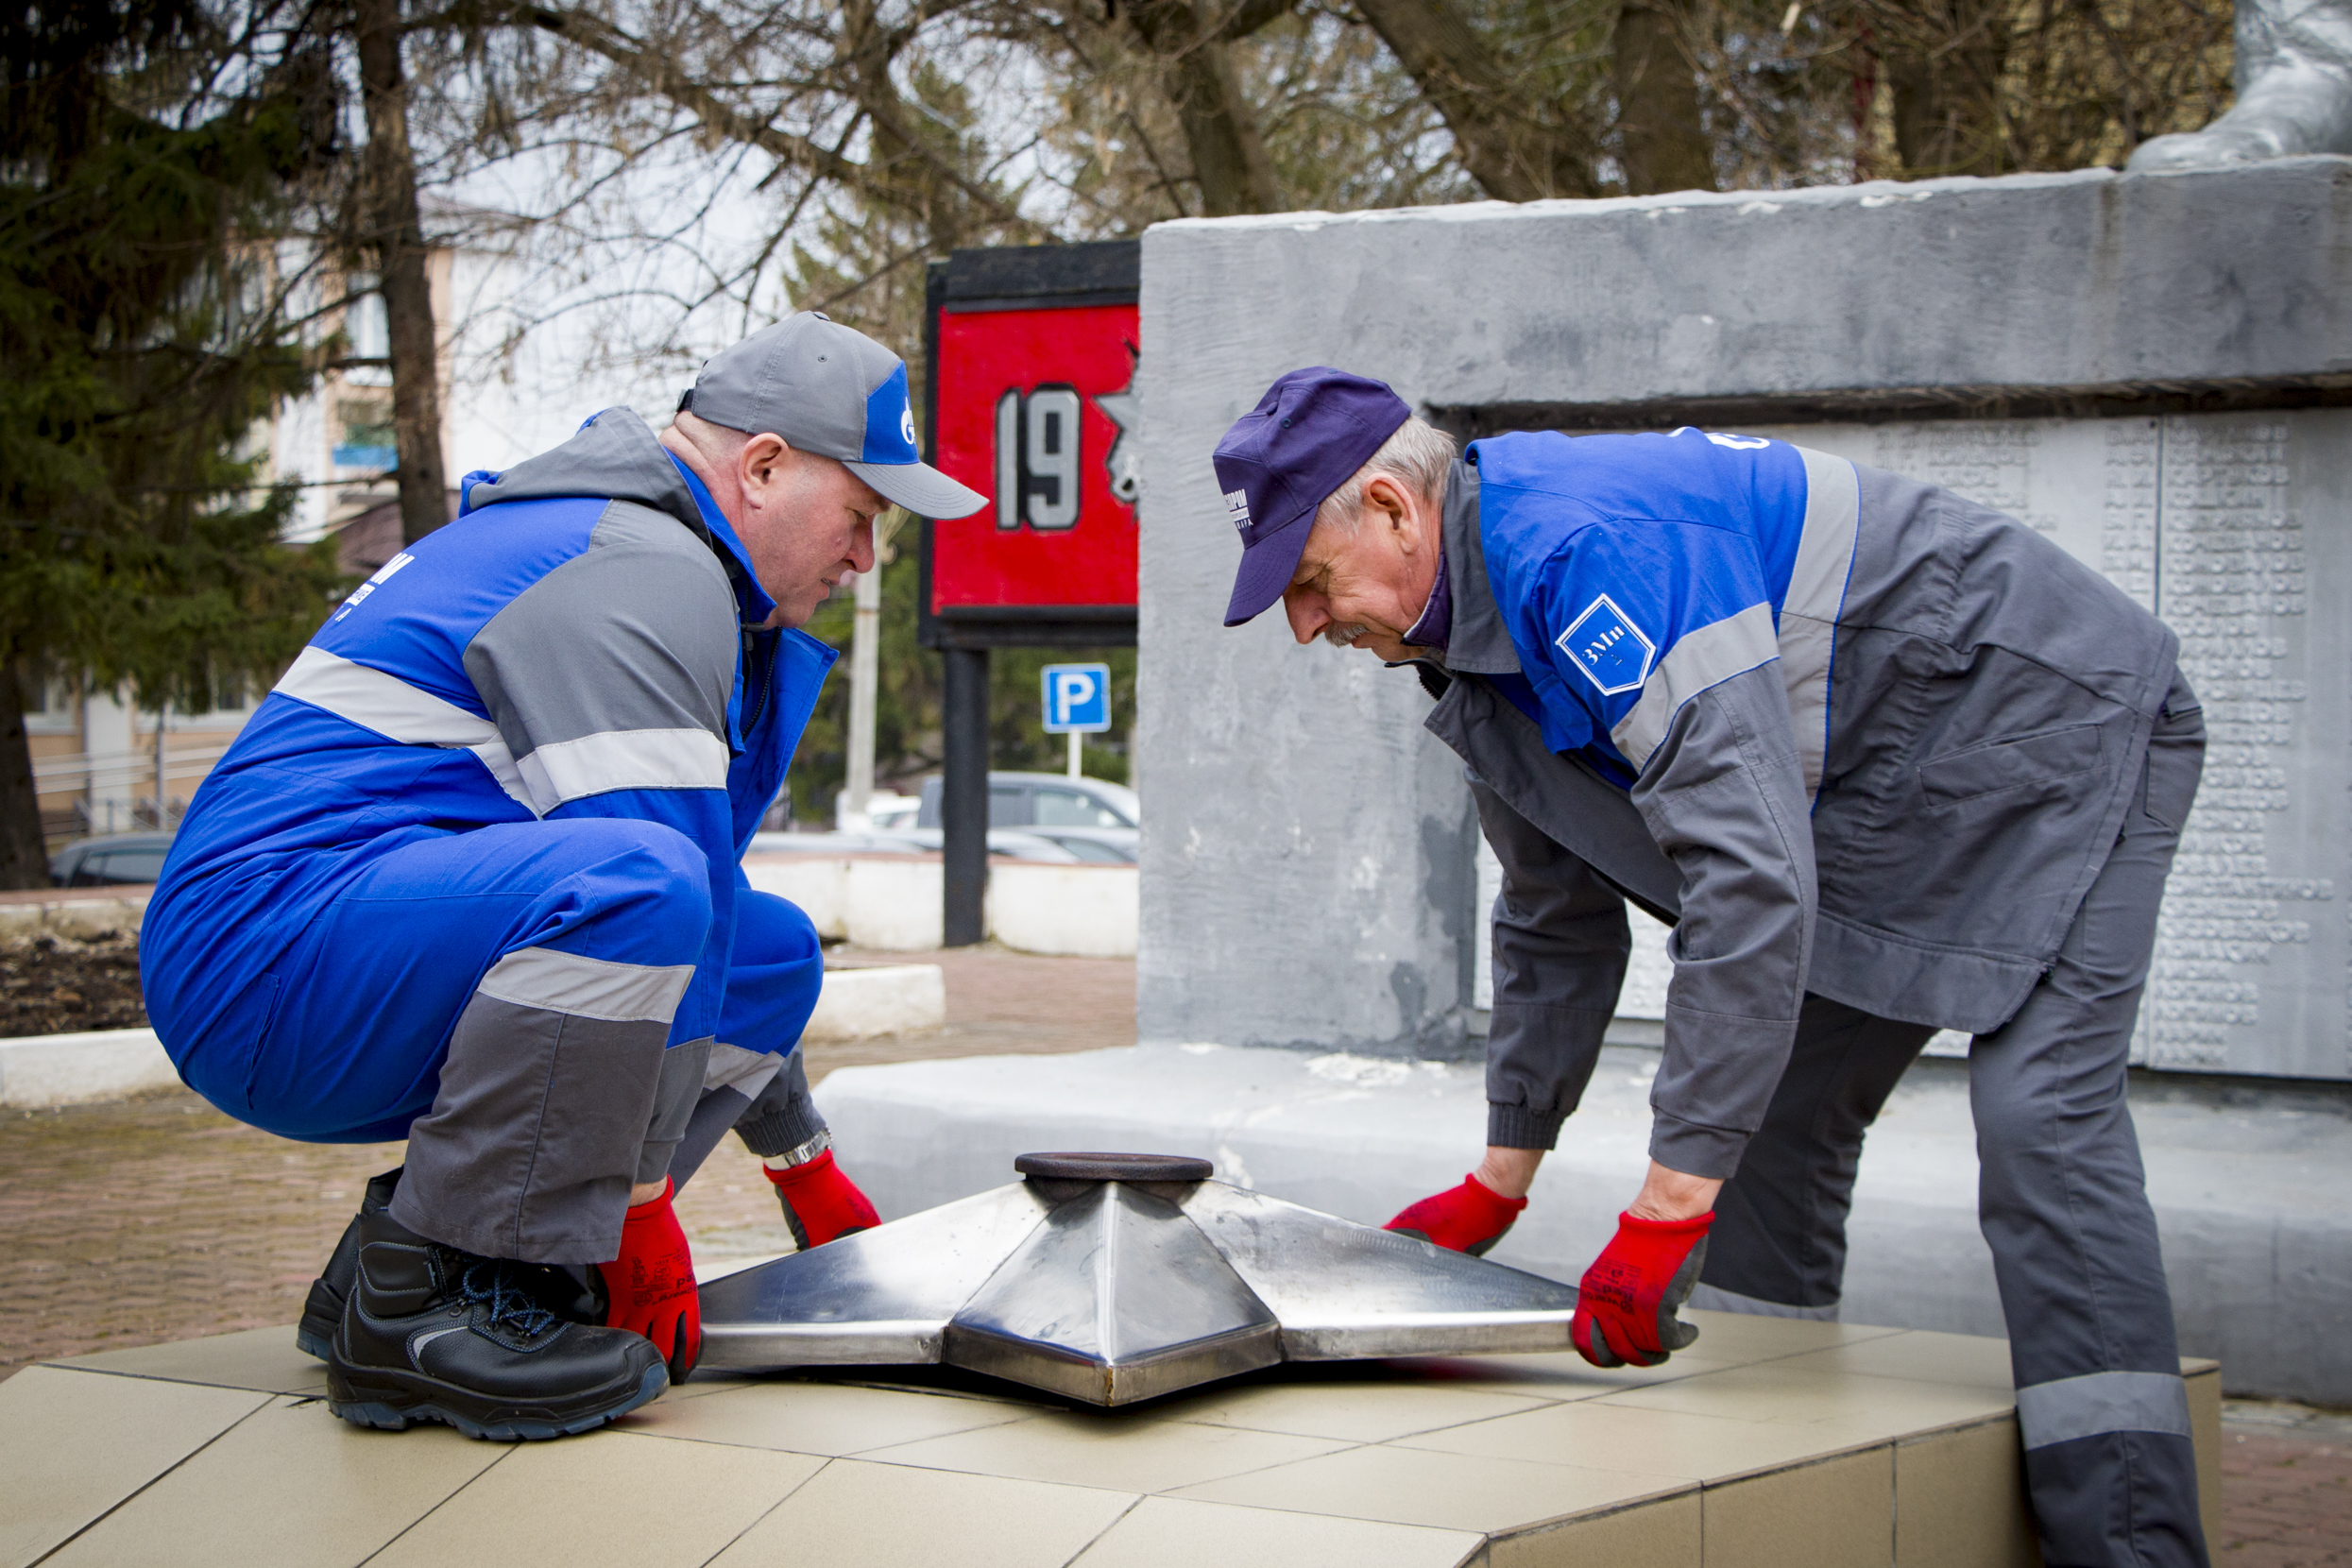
(1077,699)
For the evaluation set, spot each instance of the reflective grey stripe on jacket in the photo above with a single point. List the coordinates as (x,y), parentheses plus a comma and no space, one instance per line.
(1975,667)
(610,673)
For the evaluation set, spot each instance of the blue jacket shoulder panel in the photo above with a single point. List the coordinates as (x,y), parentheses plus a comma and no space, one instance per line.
(1604,551)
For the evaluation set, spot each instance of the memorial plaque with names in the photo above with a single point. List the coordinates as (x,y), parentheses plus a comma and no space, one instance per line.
(2237,529)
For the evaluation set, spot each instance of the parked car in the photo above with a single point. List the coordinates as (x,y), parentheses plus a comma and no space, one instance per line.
(110,859)
(1103,845)
(1092,818)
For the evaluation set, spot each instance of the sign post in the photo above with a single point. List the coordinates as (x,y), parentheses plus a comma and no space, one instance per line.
(1032,357)
(1078,703)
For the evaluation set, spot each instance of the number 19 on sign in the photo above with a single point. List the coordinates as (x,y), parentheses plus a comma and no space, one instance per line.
(1078,701)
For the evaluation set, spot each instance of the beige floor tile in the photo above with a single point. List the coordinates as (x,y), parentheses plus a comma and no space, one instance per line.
(1744,1337)
(2205,1430)
(603,1498)
(1359,1412)
(858,1515)
(289,1485)
(1648,1443)
(259,1358)
(1423,1486)
(1786,1393)
(1168,1532)
(1917,1356)
(817,1418)
(1839,1513)
(1122,1453)
(1561,1374)
(1960,1500)
(74,1444)
(1664,1534)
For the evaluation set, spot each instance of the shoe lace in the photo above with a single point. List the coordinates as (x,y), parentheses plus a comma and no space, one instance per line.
(488,1282)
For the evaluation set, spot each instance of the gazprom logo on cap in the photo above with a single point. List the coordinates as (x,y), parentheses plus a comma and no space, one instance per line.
(1607,647)
(890,421)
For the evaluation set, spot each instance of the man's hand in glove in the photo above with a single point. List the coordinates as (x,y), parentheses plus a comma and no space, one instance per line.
(1468,1219)
(1626,1303)
(652,1284)
(821,1205)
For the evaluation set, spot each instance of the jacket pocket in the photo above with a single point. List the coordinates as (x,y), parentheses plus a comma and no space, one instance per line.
(2169,773)
(2009,764)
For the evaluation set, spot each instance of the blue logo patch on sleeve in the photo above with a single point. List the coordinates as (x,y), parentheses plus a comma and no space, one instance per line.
(1607,647)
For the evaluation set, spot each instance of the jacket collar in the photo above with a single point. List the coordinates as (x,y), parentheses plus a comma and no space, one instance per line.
(1477,642)
(753,599)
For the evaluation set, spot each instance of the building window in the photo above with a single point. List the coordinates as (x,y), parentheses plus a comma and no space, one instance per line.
(365,430)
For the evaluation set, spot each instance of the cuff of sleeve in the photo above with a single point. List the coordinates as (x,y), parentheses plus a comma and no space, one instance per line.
(1522,1125)
(1694,1150)
(783,1116)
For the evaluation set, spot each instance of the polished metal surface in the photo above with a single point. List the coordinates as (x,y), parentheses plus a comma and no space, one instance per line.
(1111,1291)
(1115,1298)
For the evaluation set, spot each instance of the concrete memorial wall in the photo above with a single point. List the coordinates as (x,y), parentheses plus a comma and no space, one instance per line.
(2151,368)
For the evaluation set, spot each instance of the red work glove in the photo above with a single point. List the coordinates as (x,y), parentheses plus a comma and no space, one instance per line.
(1625,1305)
(1468,1219)
(820,1204)
(652,1284)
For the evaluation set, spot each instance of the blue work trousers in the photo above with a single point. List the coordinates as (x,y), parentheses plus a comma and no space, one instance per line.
(509,999)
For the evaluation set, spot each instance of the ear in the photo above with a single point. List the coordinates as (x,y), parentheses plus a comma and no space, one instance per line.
(763,455)
(1386,497)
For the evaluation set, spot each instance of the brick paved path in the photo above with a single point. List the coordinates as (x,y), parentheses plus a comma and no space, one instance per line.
(160,1218)
(2286,1489)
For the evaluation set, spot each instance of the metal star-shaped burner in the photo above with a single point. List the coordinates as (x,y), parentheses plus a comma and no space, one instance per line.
(1111,1278)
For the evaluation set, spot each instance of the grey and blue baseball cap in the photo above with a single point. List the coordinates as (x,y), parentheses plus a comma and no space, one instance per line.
(831,390)
(1279,462)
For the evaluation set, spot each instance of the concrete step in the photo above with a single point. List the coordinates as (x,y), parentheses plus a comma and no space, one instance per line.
(2248,1187)
(38,1071)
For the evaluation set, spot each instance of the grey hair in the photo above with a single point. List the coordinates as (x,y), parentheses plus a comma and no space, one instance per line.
(1417,456)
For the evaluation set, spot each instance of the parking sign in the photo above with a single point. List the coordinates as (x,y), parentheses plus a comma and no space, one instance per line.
(1077,699)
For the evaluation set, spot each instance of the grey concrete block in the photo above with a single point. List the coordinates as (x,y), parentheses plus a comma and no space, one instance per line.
(1299,882)
(2246,1187)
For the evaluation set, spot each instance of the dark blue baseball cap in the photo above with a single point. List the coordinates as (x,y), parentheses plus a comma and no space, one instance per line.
(1306,438)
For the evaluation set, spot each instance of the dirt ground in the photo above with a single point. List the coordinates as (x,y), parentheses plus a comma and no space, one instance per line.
(50,985)
(160,1219)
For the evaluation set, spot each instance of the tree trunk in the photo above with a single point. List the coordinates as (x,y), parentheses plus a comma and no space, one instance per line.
(1517,151)
(394,232)
(1663,146)
(1945,91)
(24,857)
(1228,154)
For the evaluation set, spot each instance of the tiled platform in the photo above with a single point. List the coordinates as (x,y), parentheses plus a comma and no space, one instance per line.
(1772,1444)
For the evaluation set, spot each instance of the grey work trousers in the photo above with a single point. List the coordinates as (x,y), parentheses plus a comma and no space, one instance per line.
(2061,1200)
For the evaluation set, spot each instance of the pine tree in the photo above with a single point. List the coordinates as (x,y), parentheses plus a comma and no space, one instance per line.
(143,342)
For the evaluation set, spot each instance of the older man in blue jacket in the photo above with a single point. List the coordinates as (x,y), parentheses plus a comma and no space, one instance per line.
(1887,761)
(470,877)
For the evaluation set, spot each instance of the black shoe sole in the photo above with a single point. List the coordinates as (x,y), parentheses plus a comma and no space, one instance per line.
(392,1405)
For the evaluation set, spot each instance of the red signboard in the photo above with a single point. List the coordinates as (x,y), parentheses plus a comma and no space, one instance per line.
(1037,411)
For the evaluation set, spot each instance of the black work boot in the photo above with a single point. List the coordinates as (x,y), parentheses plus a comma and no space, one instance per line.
(433,1334)
(576,1296)
(323,1308)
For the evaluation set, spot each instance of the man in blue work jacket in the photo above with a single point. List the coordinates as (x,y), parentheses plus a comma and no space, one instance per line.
(1888,762)
(470,877)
